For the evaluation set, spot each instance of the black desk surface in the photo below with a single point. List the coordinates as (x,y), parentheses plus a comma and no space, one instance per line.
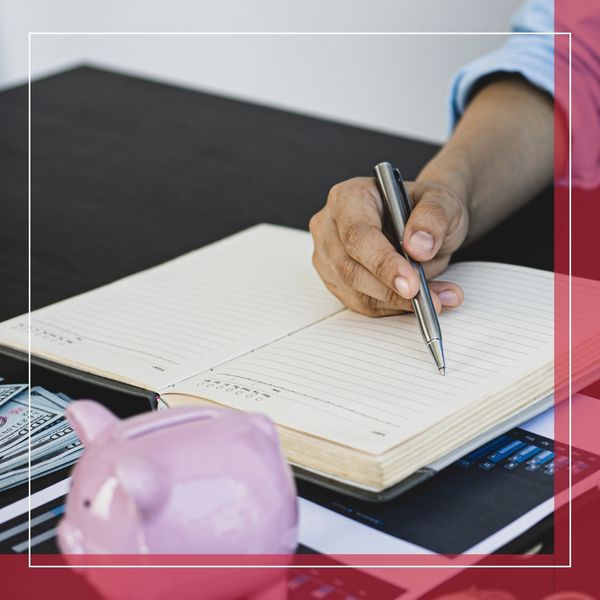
(127,173)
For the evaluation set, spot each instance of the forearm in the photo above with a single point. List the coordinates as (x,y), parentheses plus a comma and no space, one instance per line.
(500,154)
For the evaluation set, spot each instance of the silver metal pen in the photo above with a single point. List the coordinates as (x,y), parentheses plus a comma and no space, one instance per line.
(398,207)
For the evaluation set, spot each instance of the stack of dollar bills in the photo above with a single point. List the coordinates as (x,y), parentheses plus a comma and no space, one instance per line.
(35,437)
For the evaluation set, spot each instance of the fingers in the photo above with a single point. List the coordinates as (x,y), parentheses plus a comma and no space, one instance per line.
(369,246)
(355,276)
(449,294)
(359,265)
(356,199)
(358,221)
(426,229)
(350,281)
(437,222)
(436,266)
(358,289)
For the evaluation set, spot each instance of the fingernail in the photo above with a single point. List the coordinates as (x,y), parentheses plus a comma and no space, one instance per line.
(402,286)
(421,240)
(448,298)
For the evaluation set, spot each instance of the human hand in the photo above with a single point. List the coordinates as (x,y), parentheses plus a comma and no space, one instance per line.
(359,265)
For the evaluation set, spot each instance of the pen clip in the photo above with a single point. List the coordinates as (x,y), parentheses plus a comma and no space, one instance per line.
(406,201)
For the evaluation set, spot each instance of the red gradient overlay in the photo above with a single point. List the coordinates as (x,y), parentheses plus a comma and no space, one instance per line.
(571,573)
(562,266)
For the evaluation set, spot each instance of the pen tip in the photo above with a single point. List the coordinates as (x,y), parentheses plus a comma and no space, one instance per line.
(443,371)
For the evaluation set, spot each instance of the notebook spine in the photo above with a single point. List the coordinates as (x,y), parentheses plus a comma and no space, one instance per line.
(150,397)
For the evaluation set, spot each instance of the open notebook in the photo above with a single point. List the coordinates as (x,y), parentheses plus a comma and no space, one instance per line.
(247,324)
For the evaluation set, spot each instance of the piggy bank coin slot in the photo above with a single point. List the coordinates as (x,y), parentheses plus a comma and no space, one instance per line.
(171,421)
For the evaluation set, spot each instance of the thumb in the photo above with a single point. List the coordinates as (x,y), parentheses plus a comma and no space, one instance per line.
(429,224)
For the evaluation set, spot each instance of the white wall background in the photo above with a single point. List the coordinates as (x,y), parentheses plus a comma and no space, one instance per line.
(338,77)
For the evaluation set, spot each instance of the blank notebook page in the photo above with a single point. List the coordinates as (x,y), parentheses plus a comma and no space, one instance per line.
(161,325)
(371,383)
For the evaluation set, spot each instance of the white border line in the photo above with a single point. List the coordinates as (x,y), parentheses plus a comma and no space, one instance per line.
(299,33)
(285,33)
(29,292)
(570,325)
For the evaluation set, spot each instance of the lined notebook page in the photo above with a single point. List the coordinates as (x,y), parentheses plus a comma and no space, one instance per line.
(371,383)
(179,318)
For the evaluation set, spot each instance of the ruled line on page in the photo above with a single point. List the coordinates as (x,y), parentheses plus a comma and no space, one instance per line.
(307,398)
(416,345)
(180,341)
(373,356)
(363,388)
(287,380)
(98,333)
(351,367)
(177,329)
(94,343)
(382,351)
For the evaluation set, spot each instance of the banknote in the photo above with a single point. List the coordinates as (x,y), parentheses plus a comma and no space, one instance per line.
(40,398)
(7,391)
(35,437)
(17,420)
(61,457)
(23,443)
(13,478)
(58,453)
(44,399)
(42,444)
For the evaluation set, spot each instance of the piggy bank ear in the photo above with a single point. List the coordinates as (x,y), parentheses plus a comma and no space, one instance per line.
(145,483)
(89,419)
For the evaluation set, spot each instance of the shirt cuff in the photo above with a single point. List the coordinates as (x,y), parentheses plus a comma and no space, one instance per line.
(531,56)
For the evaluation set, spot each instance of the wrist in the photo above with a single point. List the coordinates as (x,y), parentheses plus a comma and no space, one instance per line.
(451,171)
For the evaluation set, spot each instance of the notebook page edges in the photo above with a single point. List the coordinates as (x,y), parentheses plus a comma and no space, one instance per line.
(371,384)
(161,325)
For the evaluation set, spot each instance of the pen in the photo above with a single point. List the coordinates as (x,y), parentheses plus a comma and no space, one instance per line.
(398,207)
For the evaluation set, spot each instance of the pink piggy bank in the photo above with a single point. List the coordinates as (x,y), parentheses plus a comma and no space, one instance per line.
(187,481)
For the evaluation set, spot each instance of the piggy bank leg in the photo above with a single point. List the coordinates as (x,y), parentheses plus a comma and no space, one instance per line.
(276,591)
